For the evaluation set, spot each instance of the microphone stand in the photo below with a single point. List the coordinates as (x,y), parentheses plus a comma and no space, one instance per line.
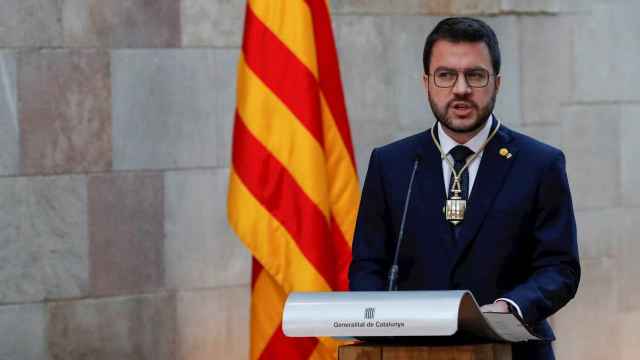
(393,271)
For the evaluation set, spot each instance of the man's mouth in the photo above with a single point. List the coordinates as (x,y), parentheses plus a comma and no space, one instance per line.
(459,105)
(461,108)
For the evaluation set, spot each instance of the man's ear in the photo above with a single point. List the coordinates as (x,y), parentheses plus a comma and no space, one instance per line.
(498,82)
(425,83)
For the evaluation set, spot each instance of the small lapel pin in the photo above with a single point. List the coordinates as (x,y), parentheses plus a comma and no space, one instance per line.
(505,152)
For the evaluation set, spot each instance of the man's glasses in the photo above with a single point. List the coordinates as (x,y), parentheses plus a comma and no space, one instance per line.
(446,78)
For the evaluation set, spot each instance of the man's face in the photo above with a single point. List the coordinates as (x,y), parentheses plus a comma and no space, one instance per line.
(461,108)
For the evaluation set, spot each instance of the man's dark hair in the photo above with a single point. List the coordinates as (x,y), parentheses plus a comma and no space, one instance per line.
(463,29)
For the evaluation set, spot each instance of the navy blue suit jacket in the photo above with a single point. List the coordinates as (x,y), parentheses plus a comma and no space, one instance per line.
(517,241)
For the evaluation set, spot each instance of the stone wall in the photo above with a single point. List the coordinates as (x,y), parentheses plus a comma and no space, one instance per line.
(115,123)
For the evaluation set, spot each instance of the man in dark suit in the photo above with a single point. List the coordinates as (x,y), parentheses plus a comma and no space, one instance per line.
(514,245)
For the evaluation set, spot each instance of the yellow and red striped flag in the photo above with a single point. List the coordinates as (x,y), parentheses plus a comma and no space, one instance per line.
(293,190)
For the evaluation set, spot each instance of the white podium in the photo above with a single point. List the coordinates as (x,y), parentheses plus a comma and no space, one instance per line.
(397,314)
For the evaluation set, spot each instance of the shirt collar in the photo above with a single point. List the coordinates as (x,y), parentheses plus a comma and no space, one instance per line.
(475,143)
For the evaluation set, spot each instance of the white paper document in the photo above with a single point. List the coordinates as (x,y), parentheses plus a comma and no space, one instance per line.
(509,327)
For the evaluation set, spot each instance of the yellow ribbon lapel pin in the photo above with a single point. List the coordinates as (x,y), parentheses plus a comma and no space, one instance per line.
(505,152)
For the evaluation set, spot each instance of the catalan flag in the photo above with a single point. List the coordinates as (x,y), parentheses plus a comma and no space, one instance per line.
(293,190)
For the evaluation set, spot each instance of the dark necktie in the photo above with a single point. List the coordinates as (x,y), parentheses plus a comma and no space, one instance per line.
(460,154)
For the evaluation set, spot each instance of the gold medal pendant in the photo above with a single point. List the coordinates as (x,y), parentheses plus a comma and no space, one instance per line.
(454,211)
(456,206)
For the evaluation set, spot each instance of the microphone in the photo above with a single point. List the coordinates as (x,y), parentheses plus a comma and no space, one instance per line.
(393,272)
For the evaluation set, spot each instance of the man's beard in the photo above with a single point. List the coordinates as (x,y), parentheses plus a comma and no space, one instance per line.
(481,119)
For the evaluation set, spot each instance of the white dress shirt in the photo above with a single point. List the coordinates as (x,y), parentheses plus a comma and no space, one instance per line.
(474,144)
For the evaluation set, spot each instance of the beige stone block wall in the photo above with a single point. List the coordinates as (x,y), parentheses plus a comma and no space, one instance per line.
(115,134)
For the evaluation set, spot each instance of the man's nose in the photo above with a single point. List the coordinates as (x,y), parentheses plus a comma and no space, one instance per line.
(461,87)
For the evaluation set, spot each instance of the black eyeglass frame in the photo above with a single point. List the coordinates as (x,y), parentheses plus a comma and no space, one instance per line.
(466,73)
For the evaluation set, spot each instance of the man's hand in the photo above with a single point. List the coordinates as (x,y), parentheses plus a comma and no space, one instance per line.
(499,306)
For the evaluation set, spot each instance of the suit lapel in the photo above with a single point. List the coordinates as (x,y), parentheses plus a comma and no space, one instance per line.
(491,175)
